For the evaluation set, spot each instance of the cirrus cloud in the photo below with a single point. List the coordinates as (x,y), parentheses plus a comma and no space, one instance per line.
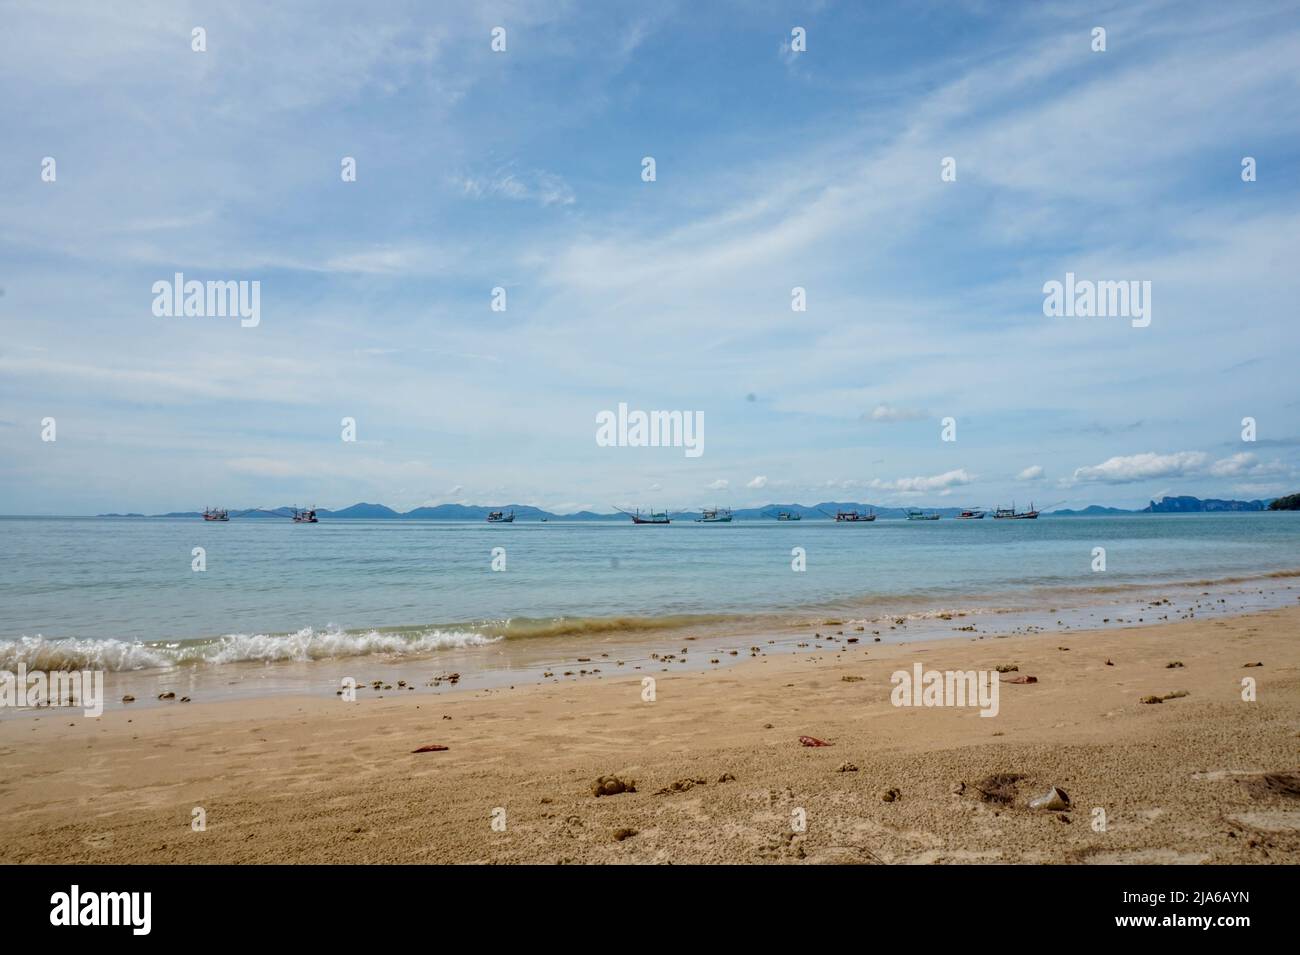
(889,413)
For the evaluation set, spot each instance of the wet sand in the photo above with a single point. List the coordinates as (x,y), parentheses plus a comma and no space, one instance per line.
(1205,777)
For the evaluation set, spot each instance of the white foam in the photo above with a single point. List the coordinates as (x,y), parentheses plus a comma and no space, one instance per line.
(40,653)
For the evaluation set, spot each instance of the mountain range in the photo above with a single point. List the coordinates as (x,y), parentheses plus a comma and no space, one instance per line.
(823,511)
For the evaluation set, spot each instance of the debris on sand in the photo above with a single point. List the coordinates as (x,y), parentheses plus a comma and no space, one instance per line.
(958,789)
(1022,679)
(726,778)
(1249,665)
(998,788)
(852,679)
(612,786)
(169,695)
(1174,665)
(1109,663)
(431,748)
(890,795)
(1055,799)
(1006,668)
(621,834)
(128,698)
(847,768)
(813,741)
(681,785)
(1176,695)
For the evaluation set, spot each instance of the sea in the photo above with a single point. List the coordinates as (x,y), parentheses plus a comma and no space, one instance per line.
(268,605)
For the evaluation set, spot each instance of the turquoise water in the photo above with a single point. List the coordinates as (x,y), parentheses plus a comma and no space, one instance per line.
(121,594)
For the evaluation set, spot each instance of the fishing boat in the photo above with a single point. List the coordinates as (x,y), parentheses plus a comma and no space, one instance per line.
(789,516)
(714,515)
(500,517)
(971,515)
(651,518)
(305,516)
(1011,514)
(216,514)
(915,514)
(853,517)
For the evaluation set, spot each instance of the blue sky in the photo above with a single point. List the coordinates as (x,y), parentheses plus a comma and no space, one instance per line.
(522,170)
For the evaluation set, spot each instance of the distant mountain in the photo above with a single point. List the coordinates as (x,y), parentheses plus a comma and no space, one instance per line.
(369,512)
(1289,503)
(473,512)
(1195,505)
(1093,510)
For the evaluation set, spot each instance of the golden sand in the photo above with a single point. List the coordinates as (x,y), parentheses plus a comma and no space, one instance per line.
(1199,778)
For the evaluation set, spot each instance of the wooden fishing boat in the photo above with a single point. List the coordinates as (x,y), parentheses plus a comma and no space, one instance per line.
(1011,514)
(651,518)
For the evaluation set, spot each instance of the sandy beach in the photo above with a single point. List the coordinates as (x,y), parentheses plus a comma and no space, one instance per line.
(719,772)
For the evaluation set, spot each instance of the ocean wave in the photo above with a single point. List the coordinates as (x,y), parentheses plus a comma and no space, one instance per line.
(39,653)
(307,644)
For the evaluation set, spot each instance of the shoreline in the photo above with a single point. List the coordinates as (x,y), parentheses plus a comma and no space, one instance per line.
(307,778)
(716,643)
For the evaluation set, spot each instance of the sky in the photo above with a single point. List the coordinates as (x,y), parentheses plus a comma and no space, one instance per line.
(775,168)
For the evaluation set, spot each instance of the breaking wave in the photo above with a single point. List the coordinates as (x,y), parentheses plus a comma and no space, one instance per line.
(40,653)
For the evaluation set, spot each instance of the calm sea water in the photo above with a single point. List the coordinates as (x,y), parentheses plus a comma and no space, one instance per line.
(122,595)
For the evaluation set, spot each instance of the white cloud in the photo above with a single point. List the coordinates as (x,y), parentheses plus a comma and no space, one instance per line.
(757,483)
(1031,473)
(719,485)
(914,485)
(1143,467)
(1238,464)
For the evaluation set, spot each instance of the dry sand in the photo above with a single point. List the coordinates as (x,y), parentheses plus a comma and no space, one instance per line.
(297,779)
